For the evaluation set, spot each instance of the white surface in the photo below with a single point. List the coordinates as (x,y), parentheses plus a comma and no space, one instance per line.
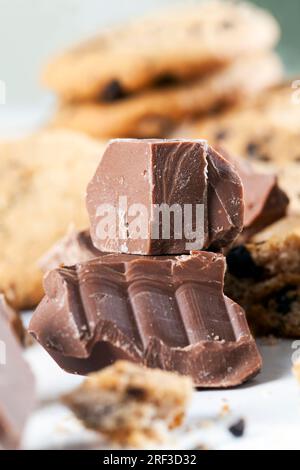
(270,405)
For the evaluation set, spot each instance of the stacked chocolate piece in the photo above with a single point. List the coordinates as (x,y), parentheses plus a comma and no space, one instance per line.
(152,292)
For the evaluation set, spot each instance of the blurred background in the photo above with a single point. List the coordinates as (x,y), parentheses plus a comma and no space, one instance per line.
(31,30)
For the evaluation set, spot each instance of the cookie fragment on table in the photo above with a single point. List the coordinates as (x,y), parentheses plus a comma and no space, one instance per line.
(128,402)
(264,277)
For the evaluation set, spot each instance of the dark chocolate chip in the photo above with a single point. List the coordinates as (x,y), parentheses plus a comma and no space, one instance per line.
(252,149)
(238,429)
(113,91)
(221,134)
(166,80)
(284,299)
(136,393)
(241,264)
(297,159)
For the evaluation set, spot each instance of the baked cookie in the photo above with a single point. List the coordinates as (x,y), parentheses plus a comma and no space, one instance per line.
(180,43)
(155,112)
(265,131)
(131,404)
(43,180)
(264,277)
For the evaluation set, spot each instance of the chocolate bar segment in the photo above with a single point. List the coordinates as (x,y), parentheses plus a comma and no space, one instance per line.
(165,312)
(164,197)
(17,394)
(265,202)
(75,247)
(10,315)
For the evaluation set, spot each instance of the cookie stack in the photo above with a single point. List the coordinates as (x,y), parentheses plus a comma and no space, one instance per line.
(141,79)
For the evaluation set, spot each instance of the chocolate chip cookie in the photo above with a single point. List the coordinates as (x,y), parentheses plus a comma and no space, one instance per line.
(155,112)
(264,277)
(43,180)
(266,131)
(171,44)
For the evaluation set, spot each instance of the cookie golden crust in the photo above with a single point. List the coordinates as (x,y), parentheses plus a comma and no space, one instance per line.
(43,180)
(154,113)
(264,276)
(129,403)
(181,43)
(265,131)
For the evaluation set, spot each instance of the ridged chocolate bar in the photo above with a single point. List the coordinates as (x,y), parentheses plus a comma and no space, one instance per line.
(166,312)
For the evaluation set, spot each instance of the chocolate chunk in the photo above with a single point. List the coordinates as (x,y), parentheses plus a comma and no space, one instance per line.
(14,320)
(74,248)
(238,429)
(265,202)
(164,312)
(241,264)
(113,92)
(156,197)
(17,395)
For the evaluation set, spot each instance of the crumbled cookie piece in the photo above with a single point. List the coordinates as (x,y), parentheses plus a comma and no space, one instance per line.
(127,402)
(264,277)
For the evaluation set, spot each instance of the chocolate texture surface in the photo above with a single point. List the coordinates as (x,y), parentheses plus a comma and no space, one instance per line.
(265,202)
(17,396)
(10,315)
(164,312)
(169,197)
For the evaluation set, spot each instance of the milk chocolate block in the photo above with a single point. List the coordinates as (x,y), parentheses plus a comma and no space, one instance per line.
(166,312)
(265,202)
(17,395)
(155,197)
(14,320)
(75,247)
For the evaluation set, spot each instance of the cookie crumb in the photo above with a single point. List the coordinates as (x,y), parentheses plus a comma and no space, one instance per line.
(130,404)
